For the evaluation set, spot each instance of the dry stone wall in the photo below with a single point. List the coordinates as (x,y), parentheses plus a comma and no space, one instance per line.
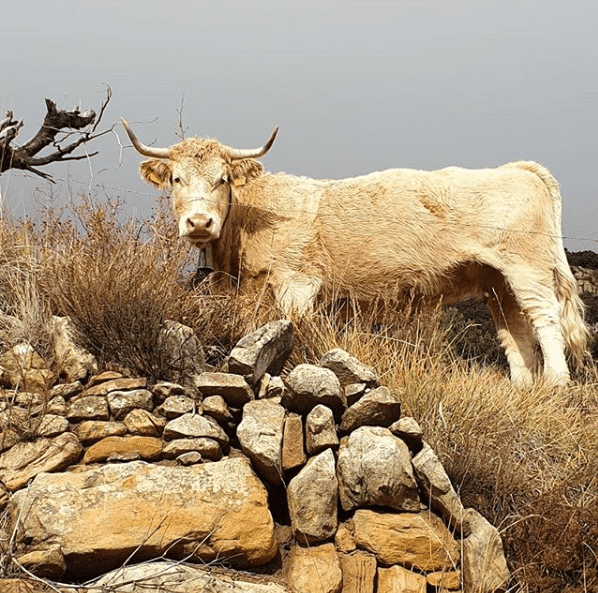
(102,471)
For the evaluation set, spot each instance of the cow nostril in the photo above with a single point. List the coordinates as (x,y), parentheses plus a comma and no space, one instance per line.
(199,223)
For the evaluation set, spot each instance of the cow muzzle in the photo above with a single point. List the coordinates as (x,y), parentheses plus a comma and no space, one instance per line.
(199,229)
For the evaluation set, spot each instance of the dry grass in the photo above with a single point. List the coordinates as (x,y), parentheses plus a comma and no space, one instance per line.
(524,458)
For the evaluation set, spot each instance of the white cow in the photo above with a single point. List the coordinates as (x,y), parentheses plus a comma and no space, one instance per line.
(442,235)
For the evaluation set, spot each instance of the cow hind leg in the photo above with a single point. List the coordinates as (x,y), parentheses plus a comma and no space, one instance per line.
(535,294)
(515,333)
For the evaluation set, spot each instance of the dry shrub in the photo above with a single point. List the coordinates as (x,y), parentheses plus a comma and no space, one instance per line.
(119,283)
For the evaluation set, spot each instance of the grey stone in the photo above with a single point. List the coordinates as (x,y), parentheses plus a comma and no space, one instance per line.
(374,469)
(184,353)
(309,385)
(189,458)
(177,405)
(484,565)
(348,369)
(260,435)
(73,360)
(208,448)
(215,406)
(409,431)
(194,426)
(379,407)
(52,425)
(121,403)
(312,498)
(264,350)
(320,431)
(87,407)
(437,490)
(184,578)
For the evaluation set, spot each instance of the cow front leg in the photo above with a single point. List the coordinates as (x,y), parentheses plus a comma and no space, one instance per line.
(296,293)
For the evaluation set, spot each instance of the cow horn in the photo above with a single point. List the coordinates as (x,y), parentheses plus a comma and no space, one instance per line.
(256,153)
(161,153)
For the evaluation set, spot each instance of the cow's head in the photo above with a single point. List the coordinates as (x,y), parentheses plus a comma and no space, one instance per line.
(199,174)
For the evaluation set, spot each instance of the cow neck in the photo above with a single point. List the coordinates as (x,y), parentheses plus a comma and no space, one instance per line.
(224,248)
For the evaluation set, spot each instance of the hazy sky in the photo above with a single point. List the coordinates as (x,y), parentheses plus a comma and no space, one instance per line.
(354,85)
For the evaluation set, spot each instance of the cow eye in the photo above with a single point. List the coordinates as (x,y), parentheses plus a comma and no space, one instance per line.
(218,183)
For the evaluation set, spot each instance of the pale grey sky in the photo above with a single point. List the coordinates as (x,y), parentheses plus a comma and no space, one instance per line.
(354,85)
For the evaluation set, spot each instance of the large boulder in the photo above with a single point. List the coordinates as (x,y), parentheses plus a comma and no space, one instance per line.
(100,517)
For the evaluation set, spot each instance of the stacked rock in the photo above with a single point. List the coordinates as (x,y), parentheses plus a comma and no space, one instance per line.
(103,468)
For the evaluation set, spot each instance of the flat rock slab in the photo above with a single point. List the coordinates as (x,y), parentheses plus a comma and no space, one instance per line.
(379,407)
(101,516)
(315,569)
(179,578)
(25,460)
(234,389)
(116,384)
(414,540)
(195,426)
(113,448)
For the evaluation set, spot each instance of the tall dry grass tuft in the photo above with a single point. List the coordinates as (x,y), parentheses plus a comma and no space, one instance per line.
(524,458)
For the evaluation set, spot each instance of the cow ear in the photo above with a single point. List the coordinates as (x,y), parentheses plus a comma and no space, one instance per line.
(156,173)
(244,170)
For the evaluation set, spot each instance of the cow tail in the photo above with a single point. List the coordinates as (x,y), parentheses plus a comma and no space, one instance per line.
(574,328)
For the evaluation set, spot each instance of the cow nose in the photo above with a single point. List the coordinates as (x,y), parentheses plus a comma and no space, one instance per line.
(199,223)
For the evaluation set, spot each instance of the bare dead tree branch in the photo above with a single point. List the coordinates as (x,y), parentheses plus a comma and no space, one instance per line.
(51,134)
